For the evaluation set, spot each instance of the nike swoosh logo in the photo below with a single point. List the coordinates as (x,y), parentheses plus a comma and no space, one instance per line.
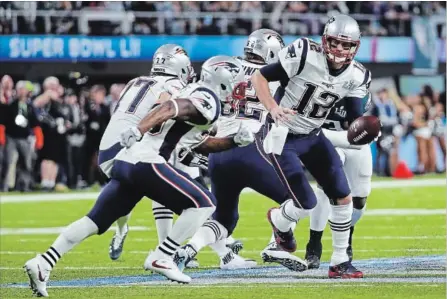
(156,265)
(40,275)
(207,96)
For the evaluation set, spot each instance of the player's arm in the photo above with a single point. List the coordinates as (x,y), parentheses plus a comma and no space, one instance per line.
(291,63)
(358,101)
(181,109)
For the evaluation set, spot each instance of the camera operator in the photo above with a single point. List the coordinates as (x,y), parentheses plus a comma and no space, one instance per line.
(54,116)
(20,118)
(98,116)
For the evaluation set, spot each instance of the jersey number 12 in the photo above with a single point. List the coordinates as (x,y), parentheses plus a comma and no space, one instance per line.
(318,110)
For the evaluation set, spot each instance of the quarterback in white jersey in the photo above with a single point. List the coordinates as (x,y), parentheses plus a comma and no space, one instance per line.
(131,179)
(315,77)
(246,167)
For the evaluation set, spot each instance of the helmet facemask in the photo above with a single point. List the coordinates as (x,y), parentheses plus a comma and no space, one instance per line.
(334,54)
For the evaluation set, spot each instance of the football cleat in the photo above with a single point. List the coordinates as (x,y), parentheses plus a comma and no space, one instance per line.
(236,246)
(313,255)
(166,267)
(233,261)
(38,272)
(183,256)
(116,245)
(349,252)
(273,254)
(344,270)
(285,240)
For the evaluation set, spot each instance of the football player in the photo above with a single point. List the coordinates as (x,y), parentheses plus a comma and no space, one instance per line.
(142,170)
(314,77)
(172,68)
(357,164)
(233,170)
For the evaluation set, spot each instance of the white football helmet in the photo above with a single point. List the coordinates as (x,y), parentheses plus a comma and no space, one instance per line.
(265,43)
(172,59)
(226,76)
(344,29)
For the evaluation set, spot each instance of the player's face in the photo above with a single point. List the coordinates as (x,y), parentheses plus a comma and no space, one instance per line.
(339,51)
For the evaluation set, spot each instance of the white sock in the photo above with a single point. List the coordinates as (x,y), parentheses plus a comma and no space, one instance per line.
(340,223)
(357,214)
(320,214)
(163,220)
(121,227)
(230,240)
(220,248)
(209,233)
(186,225)
(287,214)
(69,238)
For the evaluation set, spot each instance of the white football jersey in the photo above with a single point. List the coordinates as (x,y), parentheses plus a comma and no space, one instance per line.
(249,111)
(136,100)
(311,90)
(159,143)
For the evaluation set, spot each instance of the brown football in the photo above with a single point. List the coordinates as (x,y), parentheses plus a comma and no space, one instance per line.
(364,130)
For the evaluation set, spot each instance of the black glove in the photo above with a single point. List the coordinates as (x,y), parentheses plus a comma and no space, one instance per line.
(192,159)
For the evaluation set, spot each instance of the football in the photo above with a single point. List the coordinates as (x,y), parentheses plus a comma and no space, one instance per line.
(364,130)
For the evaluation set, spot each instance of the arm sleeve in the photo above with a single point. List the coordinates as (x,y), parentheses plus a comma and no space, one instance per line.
(274,72)
(354,109)
(207,103)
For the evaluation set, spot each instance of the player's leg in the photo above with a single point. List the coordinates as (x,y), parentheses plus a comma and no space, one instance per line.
(358,169)
(192,202)
(227,182)
(262,177)
(291,173)
(333,181)
(318,219)
(115,200)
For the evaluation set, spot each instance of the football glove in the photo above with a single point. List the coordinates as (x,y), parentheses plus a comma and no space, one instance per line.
(244,136)
(191,158)
(130,136)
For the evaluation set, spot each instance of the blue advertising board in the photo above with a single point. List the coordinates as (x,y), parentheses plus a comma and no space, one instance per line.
(138,47)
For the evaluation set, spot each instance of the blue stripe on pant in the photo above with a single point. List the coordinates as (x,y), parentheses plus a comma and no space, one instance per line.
(238,168)
(321,159)
(160,182)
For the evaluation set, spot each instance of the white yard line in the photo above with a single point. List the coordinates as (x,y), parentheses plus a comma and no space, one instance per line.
(413,183)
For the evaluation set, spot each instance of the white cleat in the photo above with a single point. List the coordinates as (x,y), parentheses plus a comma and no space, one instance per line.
(38,272)
(273,254)
(166,267)
(233,261)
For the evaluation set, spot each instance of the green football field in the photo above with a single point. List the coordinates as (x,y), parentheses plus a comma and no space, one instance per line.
(400,244)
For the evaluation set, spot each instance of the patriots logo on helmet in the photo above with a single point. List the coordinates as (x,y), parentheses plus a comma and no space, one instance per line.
(234,69)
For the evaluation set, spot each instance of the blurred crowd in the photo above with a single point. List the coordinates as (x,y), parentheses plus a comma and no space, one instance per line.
(422,115)
(50,134)
(390,18)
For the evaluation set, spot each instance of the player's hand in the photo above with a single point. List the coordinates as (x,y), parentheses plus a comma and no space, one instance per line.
(279,113)
(129,136)
(244,136)
(190,158)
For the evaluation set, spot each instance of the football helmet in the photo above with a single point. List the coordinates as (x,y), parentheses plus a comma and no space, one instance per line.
(344,29)
(226,76)
(172,59)
(265,43)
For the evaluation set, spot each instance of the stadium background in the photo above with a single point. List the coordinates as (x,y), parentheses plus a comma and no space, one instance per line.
(105,43)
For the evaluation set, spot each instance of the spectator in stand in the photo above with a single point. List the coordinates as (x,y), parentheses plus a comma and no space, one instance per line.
(388,144)
(6,95)
(114,96)
(54,115)
(98,116)
(20,120)
(76,139)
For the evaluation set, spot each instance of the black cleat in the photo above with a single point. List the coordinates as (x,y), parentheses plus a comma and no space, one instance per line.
(313,255)
(236,246)
(285,240)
